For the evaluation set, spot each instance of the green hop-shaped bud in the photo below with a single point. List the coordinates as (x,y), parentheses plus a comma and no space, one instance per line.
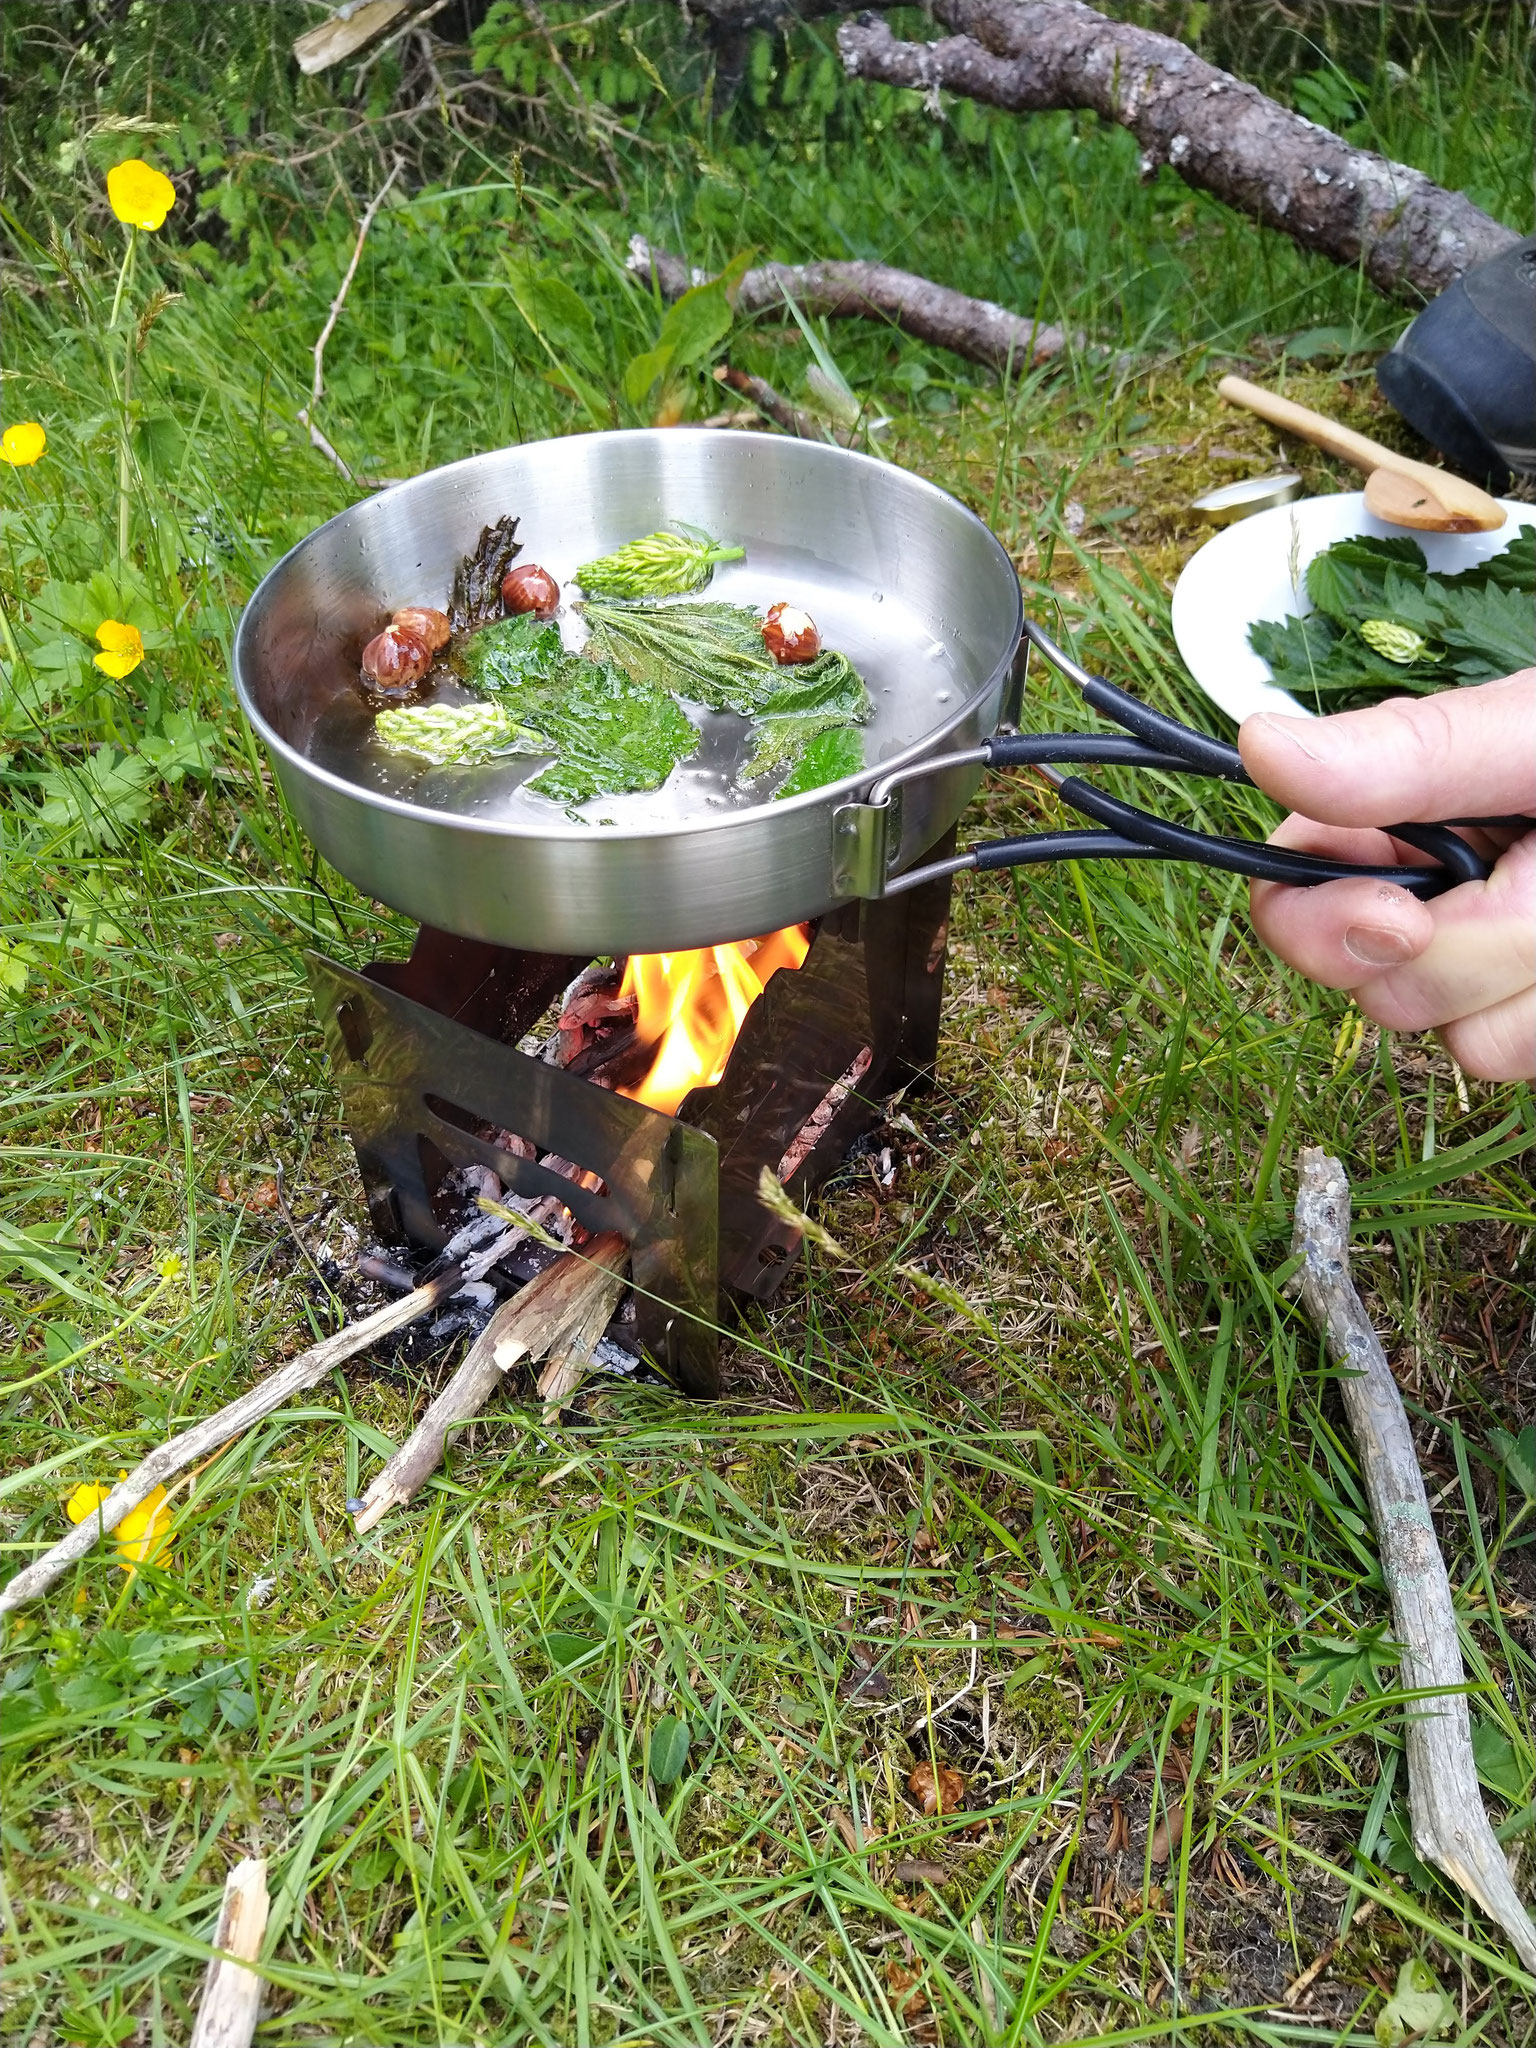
(1396,643)
(454,735)
(659,565)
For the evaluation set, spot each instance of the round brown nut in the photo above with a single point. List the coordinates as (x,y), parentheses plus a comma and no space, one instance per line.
(394,662)
(429,626)
(790,635)
(530,589)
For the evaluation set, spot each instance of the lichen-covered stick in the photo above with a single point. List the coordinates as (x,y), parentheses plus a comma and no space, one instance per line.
(232,1420)
(1450,1827)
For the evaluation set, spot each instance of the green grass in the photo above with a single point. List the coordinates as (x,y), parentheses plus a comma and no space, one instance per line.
(1097,1530)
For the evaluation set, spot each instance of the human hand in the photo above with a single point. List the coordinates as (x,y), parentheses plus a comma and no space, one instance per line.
(1463,964)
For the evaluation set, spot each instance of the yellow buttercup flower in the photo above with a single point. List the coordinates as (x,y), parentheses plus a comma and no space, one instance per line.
(22,444)
(122,648)
(141,196)
(140,1535)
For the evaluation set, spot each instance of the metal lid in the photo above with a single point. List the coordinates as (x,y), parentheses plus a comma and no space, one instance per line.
(1230,502)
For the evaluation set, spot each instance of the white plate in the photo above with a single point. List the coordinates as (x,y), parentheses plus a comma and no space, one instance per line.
(1244,573)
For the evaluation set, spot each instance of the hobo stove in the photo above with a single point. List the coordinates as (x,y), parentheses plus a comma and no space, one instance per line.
(426,1055)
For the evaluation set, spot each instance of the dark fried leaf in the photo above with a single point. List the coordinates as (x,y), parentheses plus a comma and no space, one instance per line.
(476,594)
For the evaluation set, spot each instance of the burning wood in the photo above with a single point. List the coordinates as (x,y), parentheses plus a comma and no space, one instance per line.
(814,1129)
(691,1006)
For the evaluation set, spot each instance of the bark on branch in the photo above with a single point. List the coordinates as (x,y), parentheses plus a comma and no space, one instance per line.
(1221,135)
(974,328)
(1450,1827)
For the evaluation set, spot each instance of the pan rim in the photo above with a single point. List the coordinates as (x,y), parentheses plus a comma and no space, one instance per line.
(590,832)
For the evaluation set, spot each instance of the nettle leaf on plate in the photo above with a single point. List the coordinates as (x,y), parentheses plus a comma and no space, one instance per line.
(1512,568)
(1310,656)
(1493,630)
(1346,580)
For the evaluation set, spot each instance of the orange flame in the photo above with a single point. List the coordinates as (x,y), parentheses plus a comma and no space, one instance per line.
(692,1005)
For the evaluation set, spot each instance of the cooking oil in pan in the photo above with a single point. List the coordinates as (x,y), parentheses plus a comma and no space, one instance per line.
(914,676)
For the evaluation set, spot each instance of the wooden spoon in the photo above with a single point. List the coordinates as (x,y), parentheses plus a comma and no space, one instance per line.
(1398,489)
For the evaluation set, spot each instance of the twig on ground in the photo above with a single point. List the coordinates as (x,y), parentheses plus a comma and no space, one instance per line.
(231,2000)
(237,1416)
(775,406)
(974,328)
(552,1314)
(1450,1826)
(305,414)
(1220,134)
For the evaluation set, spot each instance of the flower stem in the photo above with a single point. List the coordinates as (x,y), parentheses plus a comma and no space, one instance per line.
(122,275)
(125,428)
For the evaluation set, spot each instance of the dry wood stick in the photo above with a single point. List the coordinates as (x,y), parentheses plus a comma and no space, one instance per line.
(975,328)
(552,1313)
(305,414)
(1450,1827)
(775,406)
(208,1436)
(228,2009)
(1410,236)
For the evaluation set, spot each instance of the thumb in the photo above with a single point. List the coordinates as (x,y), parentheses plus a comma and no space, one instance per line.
(1462,753)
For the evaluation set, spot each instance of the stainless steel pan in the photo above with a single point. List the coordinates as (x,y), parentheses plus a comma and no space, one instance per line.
(899,575)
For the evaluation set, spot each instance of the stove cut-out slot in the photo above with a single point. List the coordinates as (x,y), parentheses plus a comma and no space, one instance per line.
(514,1145)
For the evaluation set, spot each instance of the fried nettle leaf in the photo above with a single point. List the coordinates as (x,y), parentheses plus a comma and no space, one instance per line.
(811,728)
(1384,622)
(713,654)
(612,733)
(508,653)
(829,756)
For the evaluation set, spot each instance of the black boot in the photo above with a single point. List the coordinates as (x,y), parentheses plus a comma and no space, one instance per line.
(1463,373)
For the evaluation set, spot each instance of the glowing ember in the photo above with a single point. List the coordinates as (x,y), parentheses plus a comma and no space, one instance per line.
(692,1006)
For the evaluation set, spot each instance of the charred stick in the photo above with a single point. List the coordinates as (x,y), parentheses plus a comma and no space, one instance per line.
(552,1314)
(192,1445)
(814,1129)
(1450,1826)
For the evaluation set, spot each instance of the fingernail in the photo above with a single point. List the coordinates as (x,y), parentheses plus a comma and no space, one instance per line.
(1377,945)
(1290,730)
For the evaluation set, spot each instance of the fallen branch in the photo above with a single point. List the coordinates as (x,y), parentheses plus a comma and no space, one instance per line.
(353,27)
(231,2000)
(305,414)
(562,1311)
(234,1419)
(775,406)
(974,328)
(1411,236)
(1450,1827)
